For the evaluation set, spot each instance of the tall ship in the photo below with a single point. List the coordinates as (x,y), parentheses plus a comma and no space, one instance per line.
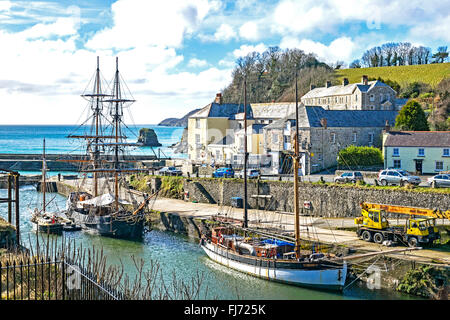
(101,203)
(267,255)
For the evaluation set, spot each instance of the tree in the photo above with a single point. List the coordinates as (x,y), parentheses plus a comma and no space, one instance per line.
(412,118)
(441,55)
(355,64)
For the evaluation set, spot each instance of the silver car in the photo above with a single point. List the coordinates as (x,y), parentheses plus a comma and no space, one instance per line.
(397,177)
(440,180)
(347,177)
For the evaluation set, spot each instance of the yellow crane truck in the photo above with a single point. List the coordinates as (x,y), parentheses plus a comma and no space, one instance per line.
(373,225)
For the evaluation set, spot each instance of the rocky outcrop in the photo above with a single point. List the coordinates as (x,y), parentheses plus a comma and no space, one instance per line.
(148,138)
(182,145)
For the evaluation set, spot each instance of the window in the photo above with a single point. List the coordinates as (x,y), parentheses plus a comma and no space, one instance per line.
(397,165)
(421,152)
(333,137)
(354,136)
(381,97)
(439,165)
(275,138)
(197,123)
(395,152)
(287,139)
(371,137)
(197,138)
(372,98)
(446,153)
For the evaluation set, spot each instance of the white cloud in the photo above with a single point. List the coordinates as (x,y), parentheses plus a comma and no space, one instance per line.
(224,33)
(249,31)
(246,49)
(197,63)
(436,30)
(339,49)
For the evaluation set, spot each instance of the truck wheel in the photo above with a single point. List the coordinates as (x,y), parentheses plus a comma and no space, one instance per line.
(378,238)
(367,236)
(412,242)
(383,182)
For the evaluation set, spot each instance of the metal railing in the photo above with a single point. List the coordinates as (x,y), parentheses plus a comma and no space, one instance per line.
(39,279)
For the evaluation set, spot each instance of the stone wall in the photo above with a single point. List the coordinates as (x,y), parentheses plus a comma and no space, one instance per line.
(327,201)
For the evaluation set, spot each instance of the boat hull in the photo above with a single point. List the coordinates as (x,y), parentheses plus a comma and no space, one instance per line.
(52,229)
(108,226)
(310,275)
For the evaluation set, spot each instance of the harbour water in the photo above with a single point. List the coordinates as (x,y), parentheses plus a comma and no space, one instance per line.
(28,139)
(179,254)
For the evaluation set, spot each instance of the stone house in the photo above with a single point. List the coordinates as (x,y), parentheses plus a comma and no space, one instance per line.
(417,151)
(367,95)
(322,133)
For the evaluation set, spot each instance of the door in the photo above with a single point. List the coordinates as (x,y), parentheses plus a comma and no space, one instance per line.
(419,166)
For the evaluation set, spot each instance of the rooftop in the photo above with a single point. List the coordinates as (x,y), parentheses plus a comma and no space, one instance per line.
(342,90)
(418,139)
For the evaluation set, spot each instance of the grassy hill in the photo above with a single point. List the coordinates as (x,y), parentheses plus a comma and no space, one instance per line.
(428,73)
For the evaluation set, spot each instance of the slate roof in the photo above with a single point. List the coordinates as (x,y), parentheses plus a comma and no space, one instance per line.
(225,110)
(309,117)
(342,90)
(418,139)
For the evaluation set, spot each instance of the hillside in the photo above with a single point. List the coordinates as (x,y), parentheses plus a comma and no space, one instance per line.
(177,122)
(431,74)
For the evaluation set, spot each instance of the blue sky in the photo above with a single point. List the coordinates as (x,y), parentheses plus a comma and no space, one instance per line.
(176,54)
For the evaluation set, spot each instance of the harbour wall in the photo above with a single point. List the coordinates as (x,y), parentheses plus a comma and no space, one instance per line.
(330,201)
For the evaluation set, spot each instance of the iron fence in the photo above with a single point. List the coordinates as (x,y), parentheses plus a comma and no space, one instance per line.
(39,279)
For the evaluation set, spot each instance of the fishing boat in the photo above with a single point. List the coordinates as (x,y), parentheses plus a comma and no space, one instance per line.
(46,221)
(267,255)
(98,205)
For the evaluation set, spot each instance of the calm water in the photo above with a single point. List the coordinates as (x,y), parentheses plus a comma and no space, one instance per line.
(184,257)
(28,139)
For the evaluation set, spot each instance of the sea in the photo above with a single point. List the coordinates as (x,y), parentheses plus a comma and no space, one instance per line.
(29,139)
(175,253)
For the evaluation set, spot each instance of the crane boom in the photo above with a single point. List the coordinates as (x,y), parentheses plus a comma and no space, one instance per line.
(433,213)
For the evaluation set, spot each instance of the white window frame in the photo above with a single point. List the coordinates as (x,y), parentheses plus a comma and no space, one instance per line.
(355,134)
(421,154)
(197,123)
(333,137)
(400,164)
(446,152)
(436,166)
(395,152)
(372,97)
(371,137)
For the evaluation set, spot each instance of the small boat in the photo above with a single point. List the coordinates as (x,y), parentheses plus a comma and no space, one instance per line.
(42,220)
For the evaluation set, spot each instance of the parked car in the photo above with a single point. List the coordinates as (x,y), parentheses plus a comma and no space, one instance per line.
(349,177)
(440,180)
(397,177)
(223,173)
(251,174)
(169,171)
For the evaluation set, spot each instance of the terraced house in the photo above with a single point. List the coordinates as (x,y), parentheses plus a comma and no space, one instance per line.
(417,151)
(367,95)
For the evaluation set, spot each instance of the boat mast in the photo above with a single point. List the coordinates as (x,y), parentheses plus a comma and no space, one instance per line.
(245,224)
(116,125)
(44,181)
(296,161)
(97,116)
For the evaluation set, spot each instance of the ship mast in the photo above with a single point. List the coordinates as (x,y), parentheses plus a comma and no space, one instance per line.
(44,180)
(245,224)
(296,165)
(116,119)
(97,118)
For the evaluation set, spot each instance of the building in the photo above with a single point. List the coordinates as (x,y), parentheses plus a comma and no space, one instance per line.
(322,133)
(215,132)
(425,152)
(367,95)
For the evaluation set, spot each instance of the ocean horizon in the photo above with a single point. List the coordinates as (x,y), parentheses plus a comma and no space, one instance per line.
(28,139)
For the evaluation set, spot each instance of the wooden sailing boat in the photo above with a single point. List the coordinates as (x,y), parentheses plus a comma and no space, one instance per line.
(271,258)
(43,220)
(98,209)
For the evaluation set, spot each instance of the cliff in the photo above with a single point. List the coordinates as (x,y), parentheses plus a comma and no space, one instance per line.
(177,122)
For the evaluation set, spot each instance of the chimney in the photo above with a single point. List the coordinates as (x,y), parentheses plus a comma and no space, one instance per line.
(218,99)
(323,123)
(311,87)
(328,84)
(365,80)
(345,81)
(387,127)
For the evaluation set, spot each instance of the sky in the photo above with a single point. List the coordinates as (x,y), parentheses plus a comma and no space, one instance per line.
(175,55)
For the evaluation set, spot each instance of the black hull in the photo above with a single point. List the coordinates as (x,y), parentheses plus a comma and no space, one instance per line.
(108,226)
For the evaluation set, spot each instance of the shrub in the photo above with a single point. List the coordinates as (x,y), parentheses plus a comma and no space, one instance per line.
(353,156)
(412,118)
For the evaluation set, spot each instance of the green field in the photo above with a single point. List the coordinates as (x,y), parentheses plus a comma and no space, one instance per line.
(428,73)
